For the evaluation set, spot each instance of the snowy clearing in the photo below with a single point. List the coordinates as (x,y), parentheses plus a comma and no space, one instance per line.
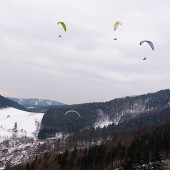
(20,122)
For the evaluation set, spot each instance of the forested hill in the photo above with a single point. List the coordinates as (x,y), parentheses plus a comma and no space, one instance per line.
(95,114)
(149,151)
(5,102)
(34,102)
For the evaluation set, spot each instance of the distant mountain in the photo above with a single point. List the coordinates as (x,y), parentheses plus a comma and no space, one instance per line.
(117,111)
(5,102)
(34,102)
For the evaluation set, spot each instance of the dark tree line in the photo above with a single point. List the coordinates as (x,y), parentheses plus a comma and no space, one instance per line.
(144,152)
(55,119)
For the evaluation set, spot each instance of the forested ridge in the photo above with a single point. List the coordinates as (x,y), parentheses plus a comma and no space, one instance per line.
(5,102)
(149,151)
(119,111)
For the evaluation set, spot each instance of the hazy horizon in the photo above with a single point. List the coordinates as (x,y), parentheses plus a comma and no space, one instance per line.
(86,102)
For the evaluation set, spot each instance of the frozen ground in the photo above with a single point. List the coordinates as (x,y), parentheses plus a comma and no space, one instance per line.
(18,135)
(19,122)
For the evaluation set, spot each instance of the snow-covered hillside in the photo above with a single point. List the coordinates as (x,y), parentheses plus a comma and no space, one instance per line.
(20,122)
(18,135)
(102,120)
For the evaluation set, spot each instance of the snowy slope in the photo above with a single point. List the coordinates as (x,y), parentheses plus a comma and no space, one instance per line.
(102,120)
(18,135)
(20,122)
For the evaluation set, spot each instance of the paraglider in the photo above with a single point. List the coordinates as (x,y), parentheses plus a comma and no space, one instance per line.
(72,111)
(117,23)
(63,25)
(149,42)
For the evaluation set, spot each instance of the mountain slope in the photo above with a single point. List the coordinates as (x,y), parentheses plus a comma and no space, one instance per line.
(5,102)
(93,114)
(131,117)
(18,135)
(34,102)
(20,122)
(148,151)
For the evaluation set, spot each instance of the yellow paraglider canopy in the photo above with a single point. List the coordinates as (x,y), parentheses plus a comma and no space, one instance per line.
(63,25)
(117,23)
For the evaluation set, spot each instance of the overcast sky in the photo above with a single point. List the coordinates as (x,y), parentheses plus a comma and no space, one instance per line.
(85,64)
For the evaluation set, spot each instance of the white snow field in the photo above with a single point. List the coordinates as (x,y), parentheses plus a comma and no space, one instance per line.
(21,122)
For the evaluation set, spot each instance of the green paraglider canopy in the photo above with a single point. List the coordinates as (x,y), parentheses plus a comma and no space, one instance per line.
(62,25)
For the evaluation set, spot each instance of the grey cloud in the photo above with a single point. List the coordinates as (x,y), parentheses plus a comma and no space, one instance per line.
(85,64)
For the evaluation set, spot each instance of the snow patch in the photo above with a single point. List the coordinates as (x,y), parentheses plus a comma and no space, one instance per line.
(18,122)
(49,103)
(103,120)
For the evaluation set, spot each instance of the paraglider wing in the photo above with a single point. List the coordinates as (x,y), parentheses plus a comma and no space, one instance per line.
(149,42)
(116,25)
(73,111)
(63,25)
